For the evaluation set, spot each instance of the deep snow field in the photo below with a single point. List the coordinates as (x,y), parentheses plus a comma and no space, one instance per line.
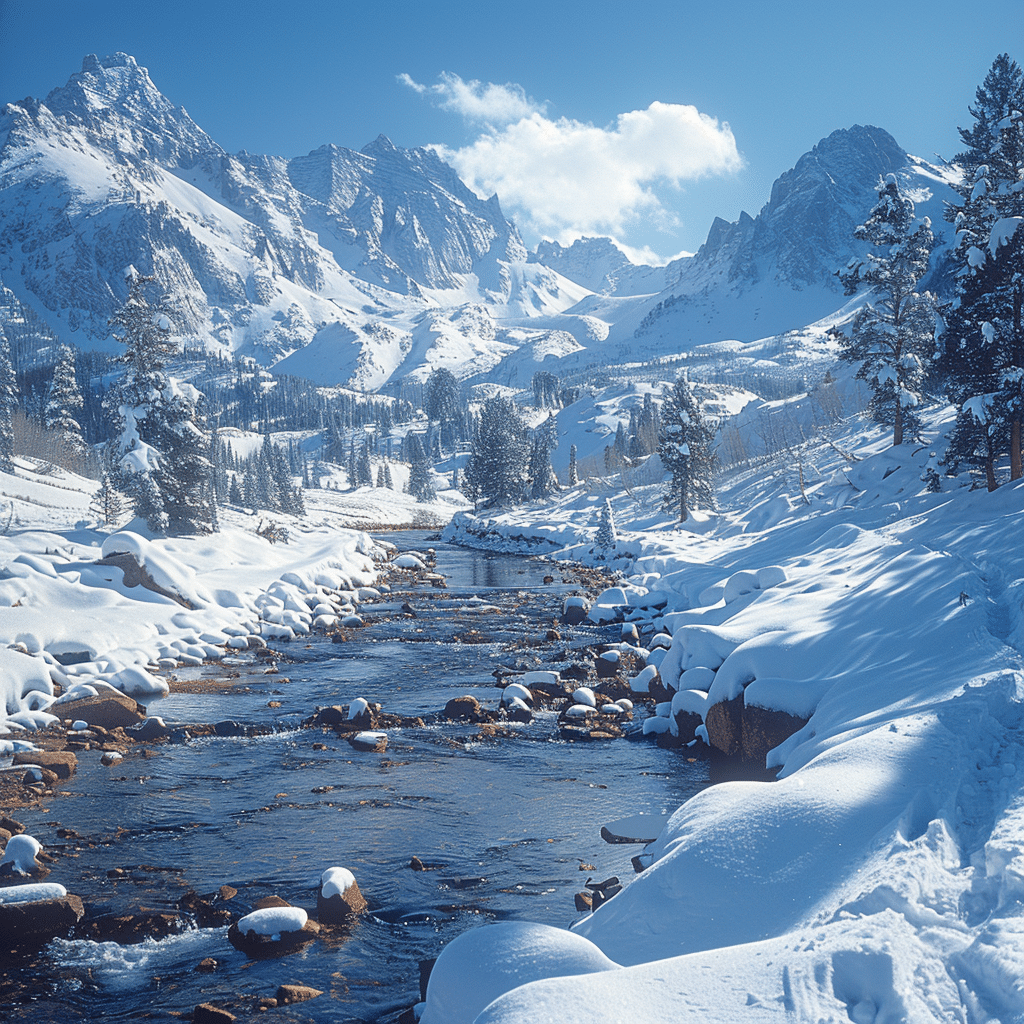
(880,879)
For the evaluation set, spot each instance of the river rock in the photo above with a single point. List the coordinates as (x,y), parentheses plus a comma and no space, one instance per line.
(287,994)
(19,859)
(687,724)
(151,728)
(273,931)
(575,610)
(748,732)
(36,774)
(62,762)
(36,922)
(370,742)
(607,665)
(207,1013)
(764,729)
(465,708)
(339,900)
(129,929)
(108,710)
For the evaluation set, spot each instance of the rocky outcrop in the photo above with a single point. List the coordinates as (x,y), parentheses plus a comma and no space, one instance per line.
(108,710)
(35,923)
(748,732)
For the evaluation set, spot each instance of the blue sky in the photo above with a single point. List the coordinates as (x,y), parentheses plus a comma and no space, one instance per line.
(592,130)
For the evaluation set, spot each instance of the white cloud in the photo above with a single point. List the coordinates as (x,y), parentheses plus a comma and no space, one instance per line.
(479,102)
(565,178)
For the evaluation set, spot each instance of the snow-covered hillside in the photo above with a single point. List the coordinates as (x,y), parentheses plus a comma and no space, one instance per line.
(880,878)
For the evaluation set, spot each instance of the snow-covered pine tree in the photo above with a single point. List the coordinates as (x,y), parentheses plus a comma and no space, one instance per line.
(606,533)
(388,482)
(892,337)
(686,452)
(8,403)
(161,449)
(441,396)
(496,473)
(982,343)
(380,476)
(574,476)
(421,483)
(64,403)
(542,476)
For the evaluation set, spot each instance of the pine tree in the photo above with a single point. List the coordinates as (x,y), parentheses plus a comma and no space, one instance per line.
(574,477)
(982,343)
(606,533)
(686,452)
(542,477)
(496,473)
(162,445)
(64,403)
(421,483)
(380,475)
(108,504)
(388,482)
(441,396)
(892,337)
(8,403)
(364,469)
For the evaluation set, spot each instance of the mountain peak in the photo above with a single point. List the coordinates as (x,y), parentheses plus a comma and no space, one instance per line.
(117,87)
(380,146)
(90,62)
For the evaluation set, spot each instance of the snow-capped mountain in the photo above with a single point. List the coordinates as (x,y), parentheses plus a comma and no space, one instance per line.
(260,253)
(776,272)
(600,266)
(360,268)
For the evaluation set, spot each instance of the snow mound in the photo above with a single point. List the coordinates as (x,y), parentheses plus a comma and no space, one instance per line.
(334,881)
(484,963)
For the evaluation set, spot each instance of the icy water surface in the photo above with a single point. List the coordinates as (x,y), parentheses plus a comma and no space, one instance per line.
(509,822)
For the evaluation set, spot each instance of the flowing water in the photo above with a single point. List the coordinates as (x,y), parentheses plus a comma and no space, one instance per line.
(508,822)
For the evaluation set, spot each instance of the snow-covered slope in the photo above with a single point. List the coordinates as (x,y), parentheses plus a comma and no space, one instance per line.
(776,272)
(879,880)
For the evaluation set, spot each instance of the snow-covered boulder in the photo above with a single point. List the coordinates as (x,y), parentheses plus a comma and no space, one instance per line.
(575,610)
(481,964)
(339,900)
(20,856)
(272,930)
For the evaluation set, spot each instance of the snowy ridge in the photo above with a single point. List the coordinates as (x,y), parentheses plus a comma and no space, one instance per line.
(879,879)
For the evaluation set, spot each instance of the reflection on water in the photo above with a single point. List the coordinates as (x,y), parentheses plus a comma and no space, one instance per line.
(507,824)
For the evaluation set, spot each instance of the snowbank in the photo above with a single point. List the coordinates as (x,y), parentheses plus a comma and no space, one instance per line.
(87,608)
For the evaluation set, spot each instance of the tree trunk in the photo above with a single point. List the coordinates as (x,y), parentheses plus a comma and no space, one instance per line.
(990,471)
(897,427)
(1015,467)
(682,508)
